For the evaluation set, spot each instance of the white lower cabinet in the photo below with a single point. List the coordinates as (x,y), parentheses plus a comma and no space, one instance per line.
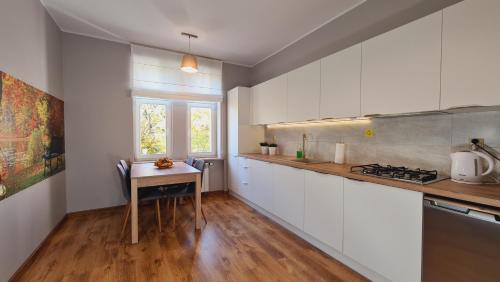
(233,173)
(379,227)
(288,194)
(244,177)
(323,211)
(261,184)
(383,229)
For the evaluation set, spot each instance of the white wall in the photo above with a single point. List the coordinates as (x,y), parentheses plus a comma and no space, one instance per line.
(99,119)
(98,122)
(30,50)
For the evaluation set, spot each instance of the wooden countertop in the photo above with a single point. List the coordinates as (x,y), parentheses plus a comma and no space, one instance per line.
(486,194)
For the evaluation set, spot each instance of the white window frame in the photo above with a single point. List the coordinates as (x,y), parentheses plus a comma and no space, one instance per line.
(213,135)
(137,102)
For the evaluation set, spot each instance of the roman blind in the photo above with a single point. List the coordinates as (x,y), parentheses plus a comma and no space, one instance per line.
(156,74)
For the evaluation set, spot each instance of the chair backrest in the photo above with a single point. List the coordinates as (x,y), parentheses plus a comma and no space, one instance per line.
(124,181)
(189,160)
(200,165)
(125,166)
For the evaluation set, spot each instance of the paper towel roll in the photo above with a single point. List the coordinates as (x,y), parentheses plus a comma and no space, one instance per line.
(339,153)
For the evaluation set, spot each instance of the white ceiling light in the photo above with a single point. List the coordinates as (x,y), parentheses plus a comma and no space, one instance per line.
(189,62)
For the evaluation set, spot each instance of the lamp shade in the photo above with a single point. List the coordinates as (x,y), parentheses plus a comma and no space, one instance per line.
(189,63)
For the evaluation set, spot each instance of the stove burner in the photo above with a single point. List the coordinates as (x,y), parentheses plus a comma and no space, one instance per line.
(398,172)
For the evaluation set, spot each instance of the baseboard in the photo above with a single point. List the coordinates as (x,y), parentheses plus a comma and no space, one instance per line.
(366,272)
(86,212)
(31,259)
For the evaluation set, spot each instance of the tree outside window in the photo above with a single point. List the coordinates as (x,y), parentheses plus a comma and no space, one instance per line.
(201,129)
(151,128)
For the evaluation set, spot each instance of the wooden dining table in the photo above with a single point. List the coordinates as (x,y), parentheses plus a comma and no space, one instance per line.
(145,175)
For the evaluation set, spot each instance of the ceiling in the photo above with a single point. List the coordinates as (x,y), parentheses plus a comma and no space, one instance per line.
(237,31)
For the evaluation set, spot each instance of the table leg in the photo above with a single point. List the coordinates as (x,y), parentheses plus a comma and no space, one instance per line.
(134,203)
(197,219)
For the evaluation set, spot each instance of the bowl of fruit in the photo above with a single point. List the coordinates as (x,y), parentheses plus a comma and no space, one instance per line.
(164,163)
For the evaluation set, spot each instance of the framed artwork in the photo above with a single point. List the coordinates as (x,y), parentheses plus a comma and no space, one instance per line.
(31,135)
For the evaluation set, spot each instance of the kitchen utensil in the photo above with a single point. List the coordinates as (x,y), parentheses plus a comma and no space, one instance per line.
(467,166)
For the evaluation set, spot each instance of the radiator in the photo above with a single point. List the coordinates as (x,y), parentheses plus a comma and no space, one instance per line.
(205,184)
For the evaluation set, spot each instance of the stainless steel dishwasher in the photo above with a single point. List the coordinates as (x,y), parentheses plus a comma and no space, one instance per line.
(461,241)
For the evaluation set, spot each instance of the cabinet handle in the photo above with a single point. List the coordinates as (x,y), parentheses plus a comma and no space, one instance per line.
(357,180)
(245,167)
(244,183)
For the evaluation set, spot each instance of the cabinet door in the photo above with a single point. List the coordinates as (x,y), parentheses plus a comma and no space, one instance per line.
(383,229)
(269,101)
(258,104)
(261,177)
(401,69)
(244,178)
(232,121)
(471,57)
(323,216)
(233,175)
(288,194)
(341,84)
(303,92)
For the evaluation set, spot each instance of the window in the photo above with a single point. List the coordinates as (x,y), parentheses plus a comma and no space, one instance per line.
(152,128)
(202,129)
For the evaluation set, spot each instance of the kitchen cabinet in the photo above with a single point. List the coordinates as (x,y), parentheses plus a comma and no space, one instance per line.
(288,194)
(242,136)
(383,229)
(233,174)
(261,179)
(341,84)
(471,60)
(269,101)
(401,69)
(323,211)
(303,93)
(244,178)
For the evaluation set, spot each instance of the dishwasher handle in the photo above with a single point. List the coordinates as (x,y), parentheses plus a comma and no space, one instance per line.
(463,209)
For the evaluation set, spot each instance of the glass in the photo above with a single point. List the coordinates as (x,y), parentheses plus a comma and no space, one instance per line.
(201,131)
(153,129)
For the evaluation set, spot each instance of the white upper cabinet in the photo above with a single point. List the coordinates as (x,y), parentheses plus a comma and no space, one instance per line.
(269,101)
(242,136)
(471,56)
(341,84)
(323,215)
(401,69)
(288,194)
(233,120)
(383,229)
(304,87)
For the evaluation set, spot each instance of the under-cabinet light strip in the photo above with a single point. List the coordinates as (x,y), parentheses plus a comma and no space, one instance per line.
(324,122)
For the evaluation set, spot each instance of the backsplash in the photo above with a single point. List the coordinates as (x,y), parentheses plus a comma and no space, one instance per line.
(413,141)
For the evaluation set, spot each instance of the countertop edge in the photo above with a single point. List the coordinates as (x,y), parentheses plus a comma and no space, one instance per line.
(444,188)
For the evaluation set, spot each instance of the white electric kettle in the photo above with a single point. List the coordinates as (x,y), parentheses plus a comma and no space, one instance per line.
(467,166)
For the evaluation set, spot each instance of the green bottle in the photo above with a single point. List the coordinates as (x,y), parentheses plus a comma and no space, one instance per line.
(300,153)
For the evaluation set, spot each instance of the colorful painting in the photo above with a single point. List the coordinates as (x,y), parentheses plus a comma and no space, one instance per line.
(31,135)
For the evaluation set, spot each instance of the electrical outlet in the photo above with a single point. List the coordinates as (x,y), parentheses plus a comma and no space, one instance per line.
(481,141)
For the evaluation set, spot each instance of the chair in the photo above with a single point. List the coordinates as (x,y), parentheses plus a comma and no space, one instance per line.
(148,194)
(125,167)
(188,191)
(190,160)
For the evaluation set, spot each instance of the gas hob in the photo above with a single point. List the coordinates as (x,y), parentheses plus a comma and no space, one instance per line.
(401,173)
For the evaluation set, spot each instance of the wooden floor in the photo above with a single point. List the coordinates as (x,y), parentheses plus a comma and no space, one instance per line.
(238,244)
